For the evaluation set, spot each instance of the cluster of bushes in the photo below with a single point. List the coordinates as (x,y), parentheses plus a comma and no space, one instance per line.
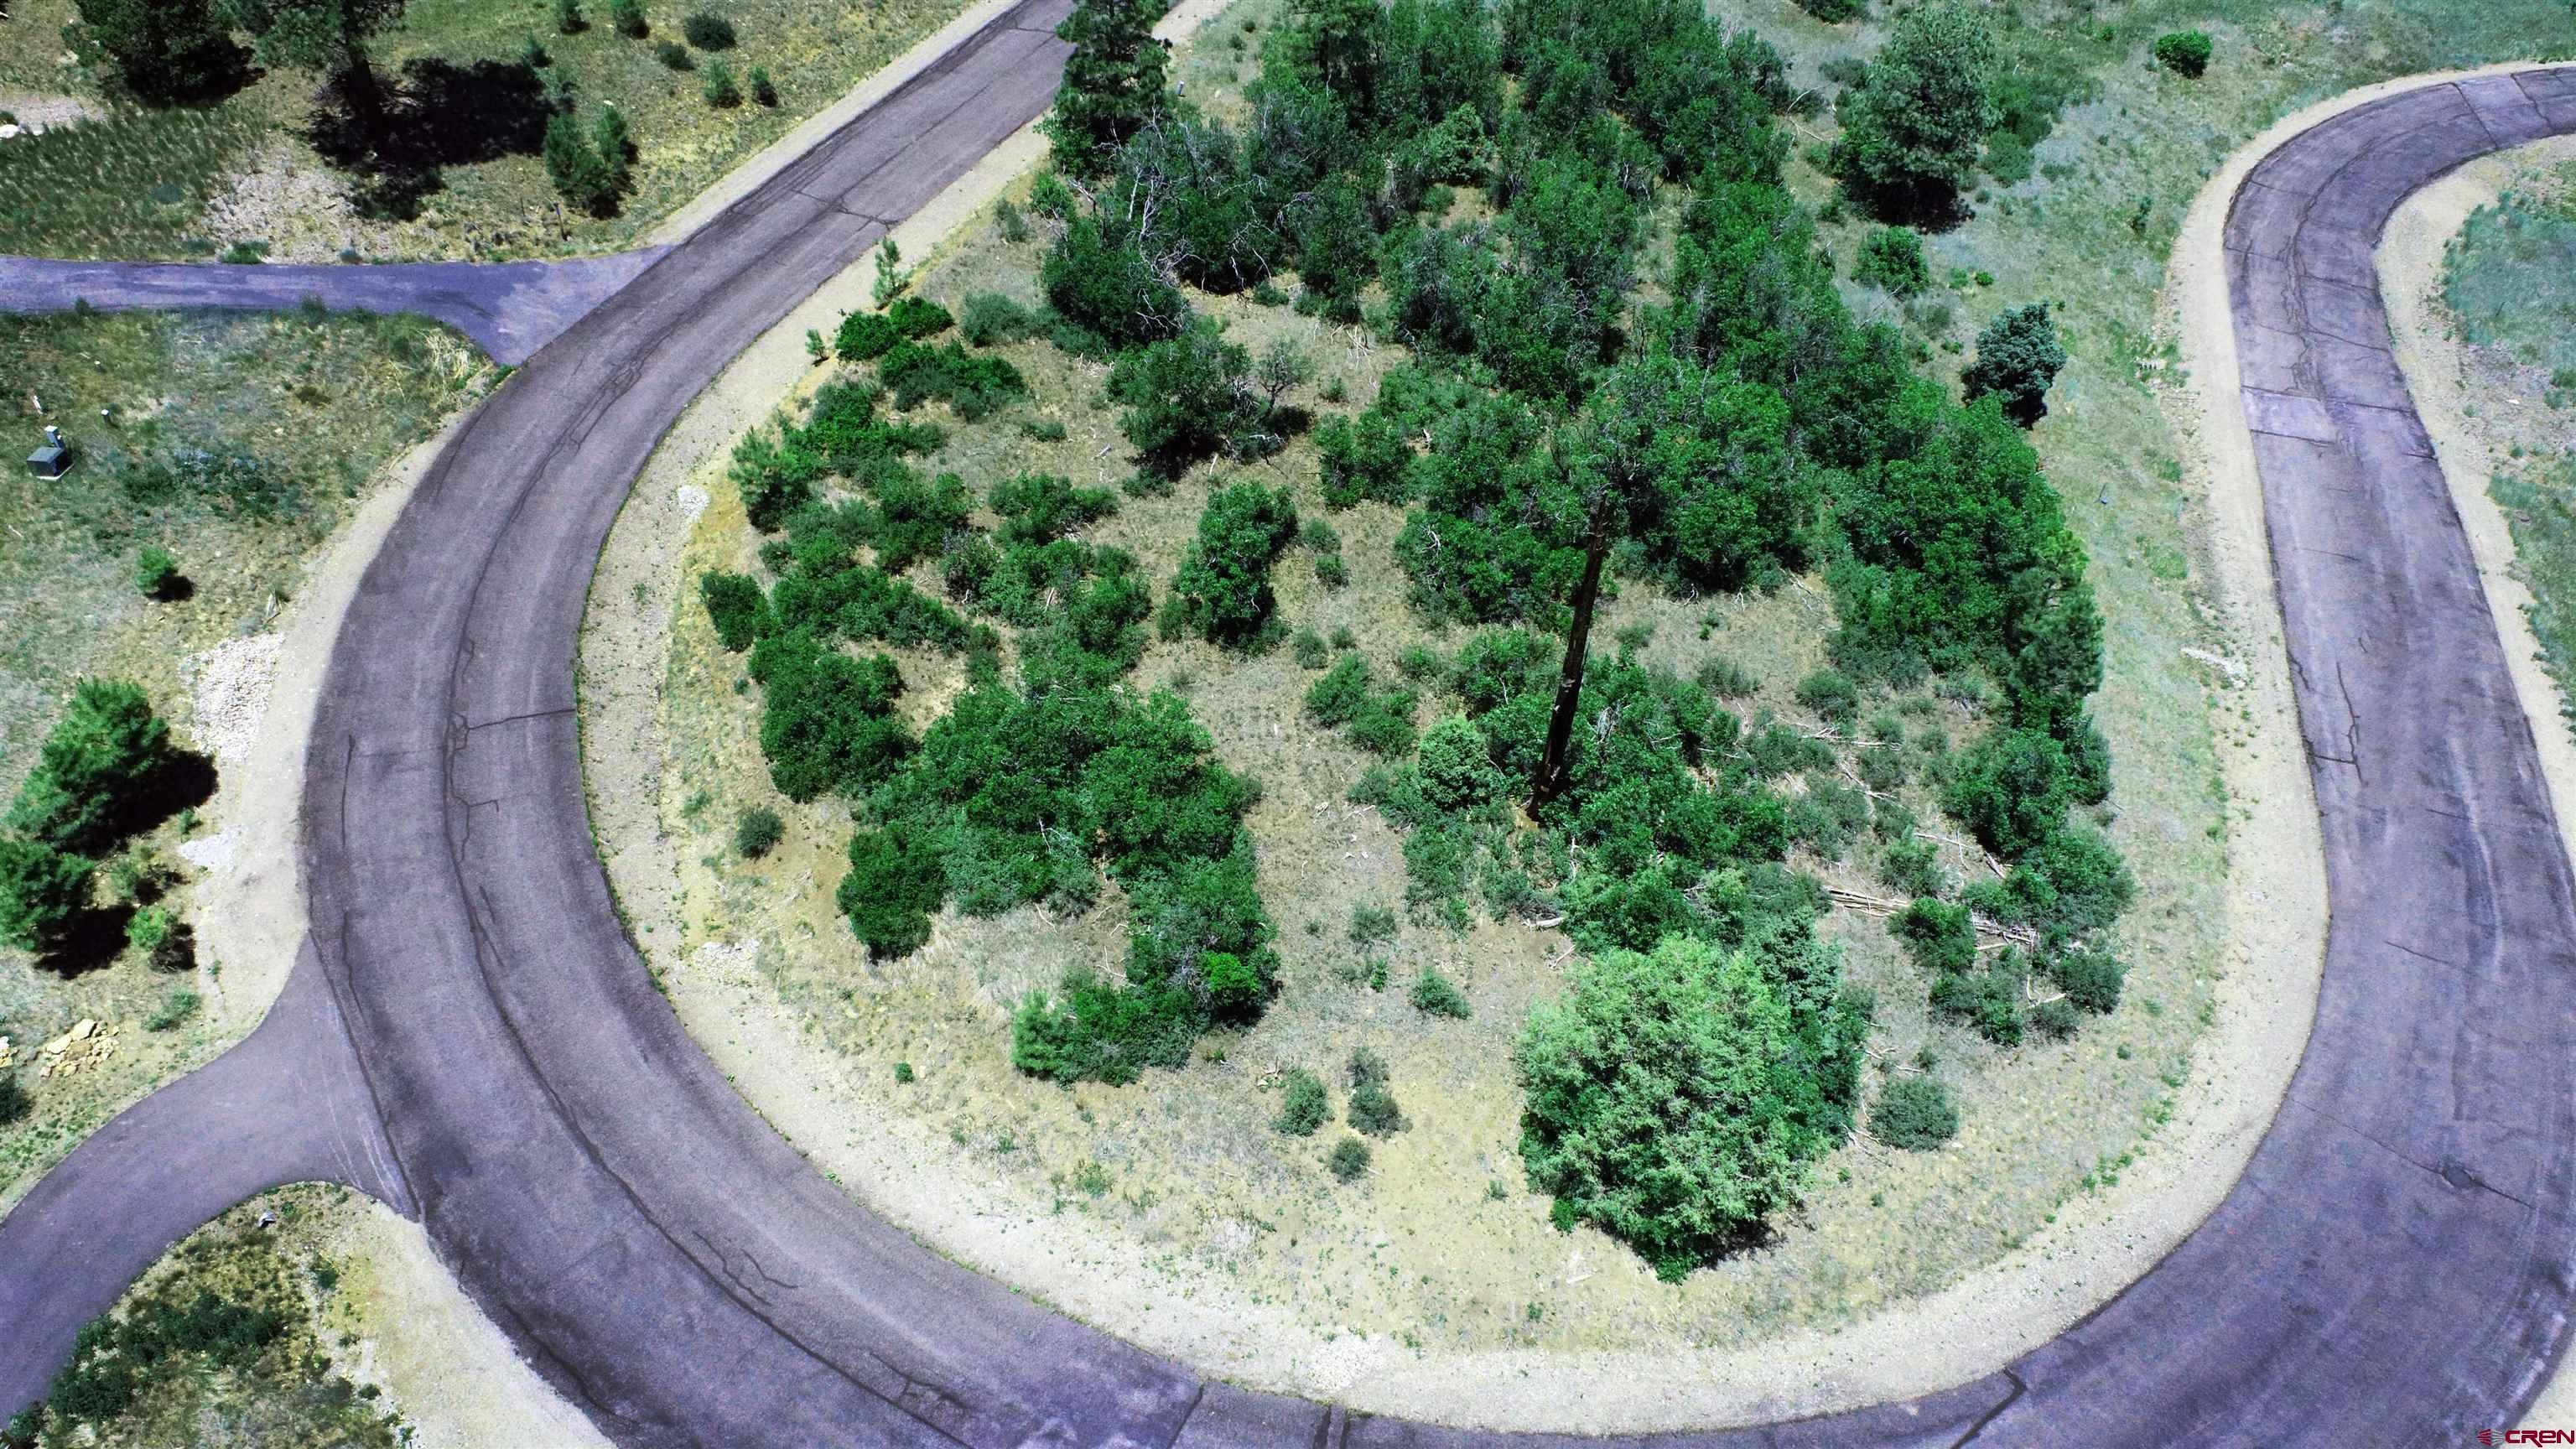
(1745,428)
(107,771)
(1024,792)
(867,336)
(592,168)
(1305,1106)
(181,1353)
(112,1359)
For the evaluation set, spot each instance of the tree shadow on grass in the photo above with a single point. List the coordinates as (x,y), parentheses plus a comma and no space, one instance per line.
(184,782)
(92,942)
(1930,209)
(438,114)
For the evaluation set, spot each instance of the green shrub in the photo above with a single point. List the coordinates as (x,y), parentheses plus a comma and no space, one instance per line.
(16,1102)
(896,880)
(1304,1106)
(1222,591)
(156,572)
(988,319)
(1835,12)
(1384,724)
(764,91)
(2018,356)
(1101,282)
(626,17)
(865,336)
(719,89)
(1335,699)
(149,929)
(918,317)
(1455,770)
(1348,1159)
(1827,817)
(1675,1100)
(1192,397)
(1988,998)
(674,55)
(974,385)
(1913,1113)
(2054,1020)
(737,607)
(1892,260)
(1309,650)
(1363,459)
(2090,976)
(1724,678)
(96,772)
(2184,52)
(1937,935)
(1371,926)
(1909,866)
(904,1074)
(568,18)
(825,717)
(1912,135)
(1104,1033)
(757,831)
(2011,789)
(1373,1108)
(43,890)
(707,32)
(1436,995)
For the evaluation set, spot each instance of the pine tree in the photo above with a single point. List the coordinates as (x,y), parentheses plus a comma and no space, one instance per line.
(1912,136)
(616,147)
(579,173)
(1112,86)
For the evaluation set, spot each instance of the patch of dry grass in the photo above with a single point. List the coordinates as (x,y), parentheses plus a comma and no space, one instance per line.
(323,403)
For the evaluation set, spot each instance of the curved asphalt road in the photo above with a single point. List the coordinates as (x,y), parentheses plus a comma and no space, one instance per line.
(2395,1267)
(510,309)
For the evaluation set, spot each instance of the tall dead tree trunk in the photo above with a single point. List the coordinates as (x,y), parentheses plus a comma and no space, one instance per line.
(1555,766)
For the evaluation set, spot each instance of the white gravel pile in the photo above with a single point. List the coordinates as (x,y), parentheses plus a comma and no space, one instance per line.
(228,687)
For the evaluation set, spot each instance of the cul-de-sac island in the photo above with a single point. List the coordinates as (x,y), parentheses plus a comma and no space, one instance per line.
(1338,724)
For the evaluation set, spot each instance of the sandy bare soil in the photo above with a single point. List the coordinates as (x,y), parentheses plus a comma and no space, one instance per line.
(2472,444)
(447,1366)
